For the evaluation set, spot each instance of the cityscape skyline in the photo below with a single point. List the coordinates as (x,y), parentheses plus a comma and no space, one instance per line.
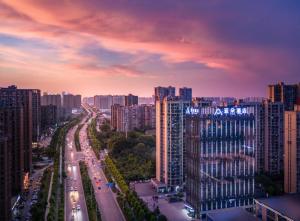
(153,110)
(222,51)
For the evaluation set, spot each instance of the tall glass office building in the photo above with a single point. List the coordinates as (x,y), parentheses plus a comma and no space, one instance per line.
(220,157)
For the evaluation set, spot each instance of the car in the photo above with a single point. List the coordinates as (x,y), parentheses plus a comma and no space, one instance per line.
(78,207)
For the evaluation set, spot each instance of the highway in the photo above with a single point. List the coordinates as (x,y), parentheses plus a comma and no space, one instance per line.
(106,199)
(75,206)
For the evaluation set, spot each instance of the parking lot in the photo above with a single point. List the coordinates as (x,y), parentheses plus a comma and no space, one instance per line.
(28,198)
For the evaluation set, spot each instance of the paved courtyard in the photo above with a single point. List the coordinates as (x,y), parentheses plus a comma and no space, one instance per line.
(173,211)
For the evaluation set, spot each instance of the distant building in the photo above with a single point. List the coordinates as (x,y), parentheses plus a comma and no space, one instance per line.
(117,117)
(201,102)
(220,152)
(118,99)
(146,100)
(104,102)
(128,118)
(185,93)
(287,94)
(219,101)
(36,114)
(162,92)
(170,132)
(292,151)
(88,100)
(51,99)
(71,101)
(131,100)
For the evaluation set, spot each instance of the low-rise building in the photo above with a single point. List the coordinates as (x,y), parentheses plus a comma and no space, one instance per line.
(280,208)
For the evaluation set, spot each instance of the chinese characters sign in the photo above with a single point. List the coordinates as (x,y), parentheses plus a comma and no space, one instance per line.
(231,111)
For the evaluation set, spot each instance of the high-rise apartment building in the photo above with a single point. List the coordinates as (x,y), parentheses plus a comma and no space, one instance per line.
(185,93)
(292,151)
(71,101)
(117,117)
(287,94)
(162,92)
(5,179)
(170,133)
(220,150)
(36,114)
(131,100)
(21,98)
(149,116)
(11,126)
(128,118)
(88,100)
(104,102)
(274,137)
(51,99)
(118,99)
(11,156)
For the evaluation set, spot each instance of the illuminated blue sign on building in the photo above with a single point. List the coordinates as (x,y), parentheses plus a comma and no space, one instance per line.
(192,111)
(231,111)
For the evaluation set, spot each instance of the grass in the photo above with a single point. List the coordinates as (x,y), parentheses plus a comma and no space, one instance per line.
(76,138)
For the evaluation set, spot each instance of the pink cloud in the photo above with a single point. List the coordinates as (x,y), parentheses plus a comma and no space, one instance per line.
(177,32)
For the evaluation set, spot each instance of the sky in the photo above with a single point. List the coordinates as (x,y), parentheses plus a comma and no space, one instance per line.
(219,48)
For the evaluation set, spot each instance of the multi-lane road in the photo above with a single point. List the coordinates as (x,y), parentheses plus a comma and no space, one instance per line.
(74,194)
(75,206)
(106,199)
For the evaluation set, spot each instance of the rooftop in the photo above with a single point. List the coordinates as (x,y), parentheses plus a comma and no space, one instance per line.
(286,205)
(231,214)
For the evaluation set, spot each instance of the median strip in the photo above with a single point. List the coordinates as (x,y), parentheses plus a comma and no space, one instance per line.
(91,203)
(77,142)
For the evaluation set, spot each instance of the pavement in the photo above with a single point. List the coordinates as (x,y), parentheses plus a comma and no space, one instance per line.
(49,196)
(173,211)
(106,199)
(75,206)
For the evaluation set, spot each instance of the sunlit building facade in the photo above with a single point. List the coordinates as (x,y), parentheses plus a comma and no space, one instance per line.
(220,156)
(170,145)
(292,151)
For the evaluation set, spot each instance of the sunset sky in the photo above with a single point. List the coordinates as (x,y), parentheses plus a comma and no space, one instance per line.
(217,47)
